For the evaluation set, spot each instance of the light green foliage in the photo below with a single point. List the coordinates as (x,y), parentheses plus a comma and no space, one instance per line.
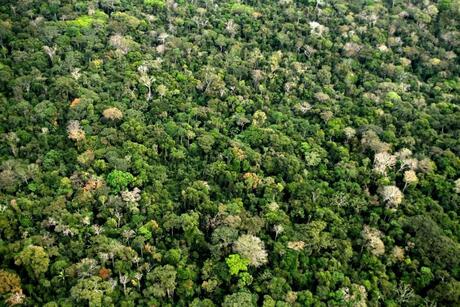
(236,264)
(155,3)
(87,21)
(240,8)
(393,96)
(119,180)
(145,232)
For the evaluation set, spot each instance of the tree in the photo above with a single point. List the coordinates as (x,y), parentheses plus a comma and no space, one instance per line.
(16,298)
(145,80)
(119,180)
(122,44)
(74,130)
(252,248)
(155,3)
(373,240)
(50,51)
(94,290)
(236,264)
(404,293)
(392,196)
(162,90)
(9,283)
(239,299)
(161,281)
(34,259)
(259,118)
(112,113)
(175,153)
(131,196)
(357,295)
(349,132)
(410,178)
(457,186)
(383,161)
(8,180)
(231,27)
(430,240)
(296,245)
(206,141)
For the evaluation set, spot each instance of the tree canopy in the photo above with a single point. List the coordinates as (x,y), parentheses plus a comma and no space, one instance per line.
(230,153)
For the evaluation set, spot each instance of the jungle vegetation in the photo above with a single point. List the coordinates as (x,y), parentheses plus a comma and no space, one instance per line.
(229,153)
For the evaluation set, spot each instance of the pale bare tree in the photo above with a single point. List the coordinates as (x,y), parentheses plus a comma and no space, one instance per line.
(136,261)
(12,140)
(383,161)
(112,113)
(373,240)
(231,27)
(74,131)
(349,132)
(326,115)
(17,298)
(303,107)
(296,245)
(75,73)
(131,196)
(285,2)
(257,76)
(128,234)
(252,248)
(97,229)
(406,161)
(371,140)
(161,48)
(392,196)
(357,295)
(122,44)
(86,267)
(322,97)
(278,229)
(404,293)
(162,37)
(457,186)
(426,165)
(50,51)
(138,276)
(398,253)
(118,215)
(103,257)
(351,49)
(145,80)
(162,90)
(410,177)
(124,280)
(317,28)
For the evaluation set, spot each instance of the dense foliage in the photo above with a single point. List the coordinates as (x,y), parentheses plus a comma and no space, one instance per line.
(234,153)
